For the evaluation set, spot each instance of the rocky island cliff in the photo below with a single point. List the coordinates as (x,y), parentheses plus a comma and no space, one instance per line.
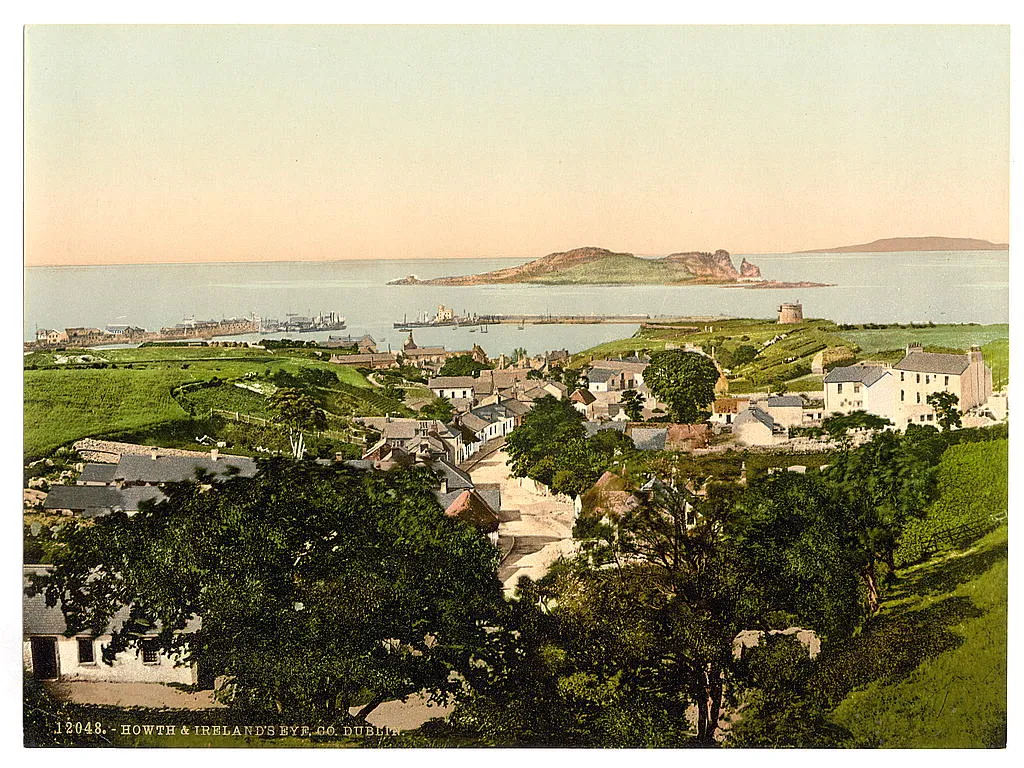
(600,266)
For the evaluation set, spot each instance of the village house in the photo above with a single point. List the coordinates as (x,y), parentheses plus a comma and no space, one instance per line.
(51,336)
(418,436)
(154,469)
(785,410)
(755,427)
(725,409)
(605,380)
(490,381)
(49,654)
(870,388)
(583,401)
(922,373)
(374,360)
(96,500)
(452,387)
(364,344)
(632,370)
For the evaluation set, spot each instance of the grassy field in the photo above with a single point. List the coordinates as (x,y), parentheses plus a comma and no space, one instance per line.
(930,671)
(952,336)
(997,356)
(972,481)
(64,403)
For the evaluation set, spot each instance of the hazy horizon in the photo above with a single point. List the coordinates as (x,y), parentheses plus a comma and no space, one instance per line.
(184,144)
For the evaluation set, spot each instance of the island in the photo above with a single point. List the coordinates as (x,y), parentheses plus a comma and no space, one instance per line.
(894,244)
(600,266)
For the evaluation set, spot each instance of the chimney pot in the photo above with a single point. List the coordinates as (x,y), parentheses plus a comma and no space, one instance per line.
(152,453)
(214,453)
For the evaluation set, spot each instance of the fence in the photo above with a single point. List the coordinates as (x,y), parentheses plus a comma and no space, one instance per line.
(960,535)
(244,418)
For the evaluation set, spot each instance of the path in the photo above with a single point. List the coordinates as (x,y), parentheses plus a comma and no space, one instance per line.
(535,526)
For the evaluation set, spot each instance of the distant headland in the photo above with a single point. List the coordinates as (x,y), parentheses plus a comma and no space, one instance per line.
(891,244)
(599,266)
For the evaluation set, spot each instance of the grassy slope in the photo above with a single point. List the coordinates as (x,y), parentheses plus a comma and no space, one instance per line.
(66,404)
(802,343)
(935,659)
(955,336)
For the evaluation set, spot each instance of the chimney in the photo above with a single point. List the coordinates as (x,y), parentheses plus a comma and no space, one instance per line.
(914,346)
(214,453)
(974,355)
(444,485)
(152,453)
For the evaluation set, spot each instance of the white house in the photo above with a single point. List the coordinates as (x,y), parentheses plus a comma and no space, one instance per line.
(605,380)
(786,410)
(452,387)
(922,373)
(753,426)
(48,654)
(870,388)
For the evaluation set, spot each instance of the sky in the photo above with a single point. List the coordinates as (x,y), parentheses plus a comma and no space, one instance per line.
(269,143)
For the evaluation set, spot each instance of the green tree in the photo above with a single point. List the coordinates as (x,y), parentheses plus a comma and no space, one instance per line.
(633,404)
(683,380)
(439,408)
(315,585)
(534,444)
(781,708)
(945,405)
(838,426)
(462,365)
(298,411)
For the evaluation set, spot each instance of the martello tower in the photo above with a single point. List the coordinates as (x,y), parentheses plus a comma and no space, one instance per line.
(791,313)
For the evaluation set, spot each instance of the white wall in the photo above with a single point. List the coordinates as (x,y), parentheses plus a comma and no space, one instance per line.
(128,666)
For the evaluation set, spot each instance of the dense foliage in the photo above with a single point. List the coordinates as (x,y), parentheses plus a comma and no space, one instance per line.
(551,446)
(462,365)
(683,380)
(314,585)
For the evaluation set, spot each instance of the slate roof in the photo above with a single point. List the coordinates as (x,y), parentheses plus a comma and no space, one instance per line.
(786,401)
(491,413)
(933,362)
(474,423)
(593,427)
(649,438)
(451,382)
(457,479)
(40,619)
(602,375)
(82,497)
(862,374)
(97,473)
(171,469)
(133,494)
(755,414)
(518,407)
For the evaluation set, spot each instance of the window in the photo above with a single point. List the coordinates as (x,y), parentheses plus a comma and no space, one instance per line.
(150,654)
(86,653)
(901,375)
(918,397)
(856,388)
(946,382)
(927,379)
(901,395)
(930,417)
(919,378)
(839,389)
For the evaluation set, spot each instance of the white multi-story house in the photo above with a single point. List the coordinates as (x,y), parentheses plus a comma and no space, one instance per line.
(870,388)
(921,373)
(452,387)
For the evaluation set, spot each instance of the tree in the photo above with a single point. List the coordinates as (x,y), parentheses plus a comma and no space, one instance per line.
(945,405)
(519,354)
(314,585)
(633,404)
(462,365)
(298,411)
(439,408)
(838,426)
(684,380)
